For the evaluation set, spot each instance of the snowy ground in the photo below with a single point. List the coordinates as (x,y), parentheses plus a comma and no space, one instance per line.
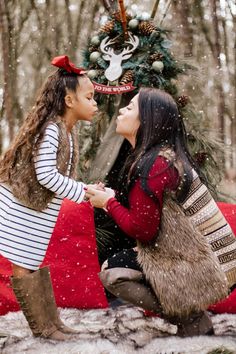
(122,330)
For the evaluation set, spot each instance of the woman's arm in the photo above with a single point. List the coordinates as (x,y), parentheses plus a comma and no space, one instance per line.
(46,169)
(141,220)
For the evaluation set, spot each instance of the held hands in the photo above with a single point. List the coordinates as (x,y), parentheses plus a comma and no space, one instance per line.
(98,195)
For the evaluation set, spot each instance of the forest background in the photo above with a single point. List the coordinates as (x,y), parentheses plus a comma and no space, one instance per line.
(203,34)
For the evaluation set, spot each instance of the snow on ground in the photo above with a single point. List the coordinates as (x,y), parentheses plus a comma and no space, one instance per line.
(122,330)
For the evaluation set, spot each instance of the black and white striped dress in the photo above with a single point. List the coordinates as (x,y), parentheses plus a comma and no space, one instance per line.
(24,232)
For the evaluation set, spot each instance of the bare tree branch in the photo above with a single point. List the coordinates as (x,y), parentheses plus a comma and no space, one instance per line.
(154,10)
(199,10)
(166,12)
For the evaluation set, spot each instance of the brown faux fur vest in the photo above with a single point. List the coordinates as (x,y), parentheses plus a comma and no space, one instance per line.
(23,180)
(183,271)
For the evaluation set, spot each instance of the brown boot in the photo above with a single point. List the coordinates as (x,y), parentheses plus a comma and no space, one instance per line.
(195,325)
(46,283)
(30,295)
(128,284)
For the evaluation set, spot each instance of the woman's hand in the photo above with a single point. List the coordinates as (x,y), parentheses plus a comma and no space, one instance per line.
(99,198)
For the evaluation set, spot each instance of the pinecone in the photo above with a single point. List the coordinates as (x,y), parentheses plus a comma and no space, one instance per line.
(146,28)
(156,56)
(108,27)
(116,16)
(182,101)
(92,49)
(127,77)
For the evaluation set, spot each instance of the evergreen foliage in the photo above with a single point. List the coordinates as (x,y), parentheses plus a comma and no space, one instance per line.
(154,47)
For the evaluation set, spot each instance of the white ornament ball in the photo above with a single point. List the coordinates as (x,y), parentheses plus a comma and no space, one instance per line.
(157,66)
(95,40)
(145,16)
(133,24)
(92,74)
(94,56)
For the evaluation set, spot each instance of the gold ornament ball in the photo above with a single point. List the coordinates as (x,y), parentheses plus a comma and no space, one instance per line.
(92,74)
(133,24)
(94,56)
(95,40)
(158,66)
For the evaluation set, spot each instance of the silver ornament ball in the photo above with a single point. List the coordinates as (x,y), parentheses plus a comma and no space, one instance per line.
(95,40)
(133,24)
(92,74)
(94,56)
(158,66)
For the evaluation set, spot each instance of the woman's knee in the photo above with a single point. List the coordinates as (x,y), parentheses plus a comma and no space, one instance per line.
(111,277)
(104,265)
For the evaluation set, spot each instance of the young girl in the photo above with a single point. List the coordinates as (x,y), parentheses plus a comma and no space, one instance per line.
(36,173)
(186,249)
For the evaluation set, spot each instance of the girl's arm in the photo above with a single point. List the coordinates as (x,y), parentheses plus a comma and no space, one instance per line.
(141,221)
(46,168)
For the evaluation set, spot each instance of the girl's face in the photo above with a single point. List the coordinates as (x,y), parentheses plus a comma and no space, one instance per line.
(128,121)
(84,107)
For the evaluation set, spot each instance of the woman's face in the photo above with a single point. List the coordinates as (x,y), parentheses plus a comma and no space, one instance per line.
(128,120)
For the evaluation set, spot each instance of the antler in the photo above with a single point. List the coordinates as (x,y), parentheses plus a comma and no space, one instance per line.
(105,43)
(133,41)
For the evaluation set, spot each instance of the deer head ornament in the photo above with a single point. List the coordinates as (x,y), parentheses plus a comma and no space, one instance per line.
(114,70)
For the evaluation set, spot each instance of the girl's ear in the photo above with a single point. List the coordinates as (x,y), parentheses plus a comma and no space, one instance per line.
(68,101)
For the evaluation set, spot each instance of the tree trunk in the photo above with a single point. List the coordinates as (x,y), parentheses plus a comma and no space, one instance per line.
(219,79)
(7,97)
(183,12)
(233,130)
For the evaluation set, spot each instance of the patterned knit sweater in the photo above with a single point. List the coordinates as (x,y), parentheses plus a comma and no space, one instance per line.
(205,215)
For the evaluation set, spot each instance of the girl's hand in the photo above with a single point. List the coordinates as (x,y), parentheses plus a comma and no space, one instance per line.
(99,198)
(99,185)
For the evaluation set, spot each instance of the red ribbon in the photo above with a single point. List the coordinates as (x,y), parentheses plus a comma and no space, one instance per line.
(63,62)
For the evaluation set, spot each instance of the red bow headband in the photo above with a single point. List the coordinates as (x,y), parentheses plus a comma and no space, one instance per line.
(64,63)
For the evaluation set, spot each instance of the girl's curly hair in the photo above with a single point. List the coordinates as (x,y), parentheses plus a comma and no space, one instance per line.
(49,105)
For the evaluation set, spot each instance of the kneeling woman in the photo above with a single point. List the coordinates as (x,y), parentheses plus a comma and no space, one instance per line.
(185,255)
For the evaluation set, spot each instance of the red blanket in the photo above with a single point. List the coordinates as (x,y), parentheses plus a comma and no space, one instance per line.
(229,304)
(72,256)
(73,260)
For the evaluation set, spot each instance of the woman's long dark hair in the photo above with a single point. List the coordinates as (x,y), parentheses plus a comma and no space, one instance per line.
(160,126)
(49,105)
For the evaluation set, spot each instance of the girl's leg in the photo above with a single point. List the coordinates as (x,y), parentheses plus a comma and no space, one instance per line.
(20,272)
(51,303)
(29,291)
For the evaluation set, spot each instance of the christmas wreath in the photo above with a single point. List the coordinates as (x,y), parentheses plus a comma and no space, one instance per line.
(140,56)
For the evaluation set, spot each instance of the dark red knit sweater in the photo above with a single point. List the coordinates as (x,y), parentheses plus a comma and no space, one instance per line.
(141,221)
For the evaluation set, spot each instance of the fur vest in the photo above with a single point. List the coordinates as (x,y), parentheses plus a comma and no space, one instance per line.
(23,181)
(183,271)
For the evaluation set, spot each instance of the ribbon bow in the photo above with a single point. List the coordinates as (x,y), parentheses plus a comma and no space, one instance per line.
(64,63)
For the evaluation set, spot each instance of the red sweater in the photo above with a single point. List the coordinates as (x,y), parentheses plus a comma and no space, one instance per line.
(141,221)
